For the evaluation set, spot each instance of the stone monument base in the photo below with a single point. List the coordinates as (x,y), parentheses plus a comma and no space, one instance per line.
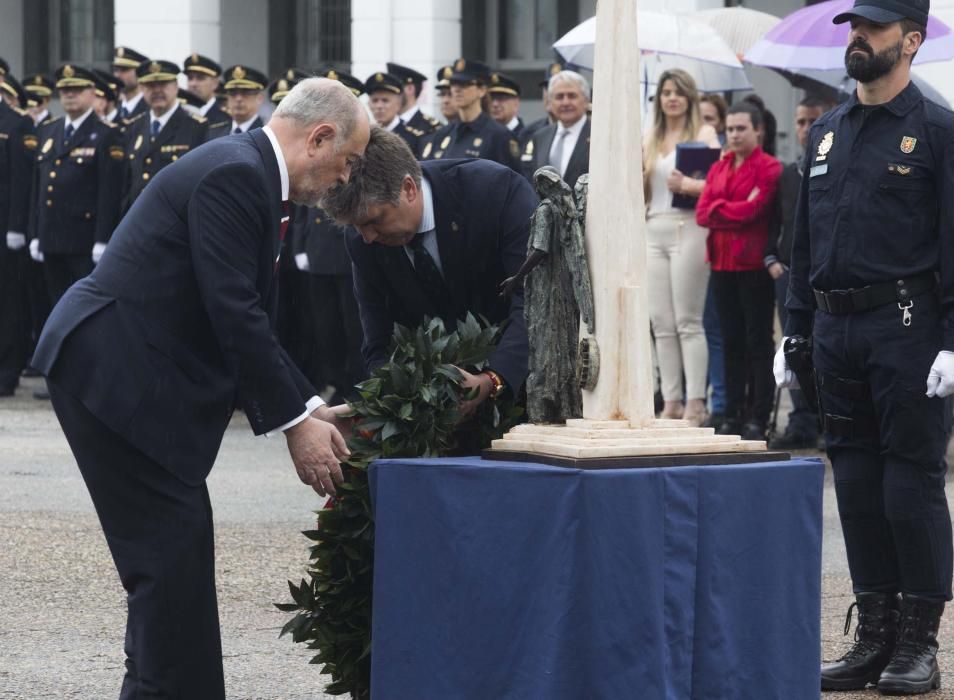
(589,444)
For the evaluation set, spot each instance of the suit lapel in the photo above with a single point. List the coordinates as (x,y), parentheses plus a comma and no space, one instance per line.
(546,141)
(579,159)
(450,240)
(273,183)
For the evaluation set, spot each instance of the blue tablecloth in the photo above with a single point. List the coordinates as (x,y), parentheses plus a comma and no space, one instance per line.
(499,580)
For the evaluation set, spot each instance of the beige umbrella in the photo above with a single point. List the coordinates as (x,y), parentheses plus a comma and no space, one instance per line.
(740,27)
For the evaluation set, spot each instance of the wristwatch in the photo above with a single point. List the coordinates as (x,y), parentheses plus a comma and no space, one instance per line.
(497,384)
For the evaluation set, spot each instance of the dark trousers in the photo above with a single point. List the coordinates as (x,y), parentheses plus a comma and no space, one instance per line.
(35,302)
(887,451)
(159,532)
(802,420)
(710,323)
(338,334)
(745,302)
(62,270)
(12,350)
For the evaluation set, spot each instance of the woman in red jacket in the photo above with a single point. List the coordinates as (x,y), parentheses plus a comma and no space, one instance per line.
(735,206)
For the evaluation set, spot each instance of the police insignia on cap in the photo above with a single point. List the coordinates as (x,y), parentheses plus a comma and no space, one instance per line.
(120,52)
(38,80)
(378,77)
(332,75)
(828,140)
(447,72)
(908,143)
(154,67)
(195,58)
(290,74)
(282,85)
(68,71)
(460,65)
(494,78)
(239,73)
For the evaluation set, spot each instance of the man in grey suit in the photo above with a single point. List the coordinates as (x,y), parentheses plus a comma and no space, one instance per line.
(566,144)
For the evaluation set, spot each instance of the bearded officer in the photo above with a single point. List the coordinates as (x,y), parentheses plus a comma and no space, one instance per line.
(872,283)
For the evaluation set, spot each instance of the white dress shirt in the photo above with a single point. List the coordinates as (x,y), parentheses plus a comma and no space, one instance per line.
(79,121)
(572,136)
(130,105)
(315,401)
(244,126)
(207,106)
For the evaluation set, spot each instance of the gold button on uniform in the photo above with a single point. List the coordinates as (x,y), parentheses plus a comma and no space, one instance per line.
(49,203)
(56,162)
(79,161)
(49,188)
(148,161)
(88,216)
(145,176)
(52,174)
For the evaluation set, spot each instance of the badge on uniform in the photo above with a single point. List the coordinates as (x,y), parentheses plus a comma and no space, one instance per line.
(907,144)
(446,142)
(427,150)
(824,146)
(47,145)
(899,169)
(138,143)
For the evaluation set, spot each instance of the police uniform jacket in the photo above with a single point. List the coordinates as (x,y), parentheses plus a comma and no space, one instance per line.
(175,324)
(18,144)
(216,115)
(78,185)
(146,155)
(536,153)
(482,213)
(481,138)
(224,128)
(414,138)
(315,234)
(875,203)
(423,123)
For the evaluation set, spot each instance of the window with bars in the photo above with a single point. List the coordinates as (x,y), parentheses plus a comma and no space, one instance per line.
(78,31)
(309,34)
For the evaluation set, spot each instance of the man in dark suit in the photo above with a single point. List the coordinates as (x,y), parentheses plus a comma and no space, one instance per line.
(437,239)
(17,147)
(162,135)
(566,144)
(147,357)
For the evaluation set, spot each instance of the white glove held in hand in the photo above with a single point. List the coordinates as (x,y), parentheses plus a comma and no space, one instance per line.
(784,376)
(301,262)
(15,241)
(98,250)
(35,250)
(940,380)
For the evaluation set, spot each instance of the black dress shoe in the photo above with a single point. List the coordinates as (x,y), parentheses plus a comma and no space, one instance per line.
(753,430)
(730,426)
(715,420)
(913,668)
(794,441)
(7,390)
(875,638)
(29,372)
(41,394)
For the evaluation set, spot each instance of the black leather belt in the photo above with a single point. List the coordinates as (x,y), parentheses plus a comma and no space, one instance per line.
(849,301)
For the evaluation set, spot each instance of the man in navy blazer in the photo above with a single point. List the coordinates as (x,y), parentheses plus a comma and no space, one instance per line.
(147,356)
(437,239)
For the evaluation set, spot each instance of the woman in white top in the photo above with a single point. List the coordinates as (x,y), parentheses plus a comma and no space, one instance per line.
(676,256)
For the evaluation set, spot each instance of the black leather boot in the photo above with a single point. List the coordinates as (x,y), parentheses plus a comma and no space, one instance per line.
(913,667)
(874,643)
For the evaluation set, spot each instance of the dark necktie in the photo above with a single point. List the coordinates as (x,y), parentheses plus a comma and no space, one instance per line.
(156,126)
(237,131)
(68,133)
(427,272)
(123,112)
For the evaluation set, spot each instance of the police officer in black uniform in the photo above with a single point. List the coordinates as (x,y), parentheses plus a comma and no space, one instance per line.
(164,134)
(203,74)
(384,97)
(78,183)
(348,80)
(872,282)
(412,84)
(474,134)
(107,94)
(40,88)
(504,94)
(245,88)
(125,63)
(13,93)
(17,147)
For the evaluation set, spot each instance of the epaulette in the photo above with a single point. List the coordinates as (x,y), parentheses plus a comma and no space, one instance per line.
(199,118)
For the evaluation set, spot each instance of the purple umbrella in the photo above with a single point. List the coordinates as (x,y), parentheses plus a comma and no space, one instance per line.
(807,40)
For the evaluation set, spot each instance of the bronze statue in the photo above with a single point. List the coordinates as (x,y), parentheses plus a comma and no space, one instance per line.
(557,293)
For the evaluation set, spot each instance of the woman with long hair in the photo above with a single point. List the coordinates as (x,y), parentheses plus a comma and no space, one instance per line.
(678,273)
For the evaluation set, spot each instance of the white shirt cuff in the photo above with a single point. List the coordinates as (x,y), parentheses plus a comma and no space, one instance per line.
(310,405)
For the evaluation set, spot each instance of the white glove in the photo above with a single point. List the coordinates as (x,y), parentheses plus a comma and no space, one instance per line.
(301,262)
(940,380)
(98,250)
(15,241)
(35,250)
(784,376)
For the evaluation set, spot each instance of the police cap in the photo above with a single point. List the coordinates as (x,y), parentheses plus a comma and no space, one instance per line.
(406,75)
(244,78)
(72,76)
(383,82)
(39,85)
(443,77)
(4,67)
(346,79)
(467,71)
(106,85)
(504,85)
(125,57)
(283,84)
(551,70)
(197,63)
(157,71)
(887,11)
(12,87)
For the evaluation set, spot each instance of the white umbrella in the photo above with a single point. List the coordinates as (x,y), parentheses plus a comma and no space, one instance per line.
(739,26)
(667,41)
